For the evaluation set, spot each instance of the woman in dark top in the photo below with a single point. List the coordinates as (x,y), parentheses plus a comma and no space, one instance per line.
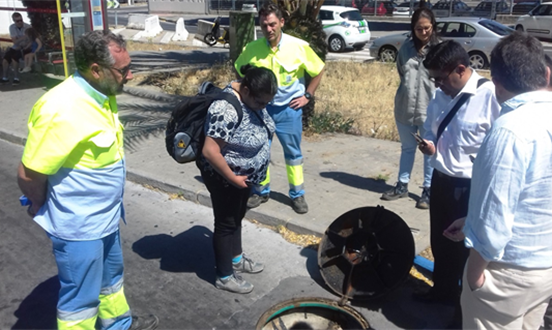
(235,156)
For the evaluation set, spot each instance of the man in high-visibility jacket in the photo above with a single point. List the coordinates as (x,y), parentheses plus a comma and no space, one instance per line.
(289,58)
(73,173)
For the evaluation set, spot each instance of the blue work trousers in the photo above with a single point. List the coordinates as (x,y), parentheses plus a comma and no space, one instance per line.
(91,278)
(289,130)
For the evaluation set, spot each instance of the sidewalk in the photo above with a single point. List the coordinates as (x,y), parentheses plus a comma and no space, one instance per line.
(340,170)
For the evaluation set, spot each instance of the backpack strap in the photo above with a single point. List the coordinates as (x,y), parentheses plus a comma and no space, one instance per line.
(455,109)
(233,100)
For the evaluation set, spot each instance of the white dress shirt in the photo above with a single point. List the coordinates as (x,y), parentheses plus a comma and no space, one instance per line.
(464,134)
(510,210)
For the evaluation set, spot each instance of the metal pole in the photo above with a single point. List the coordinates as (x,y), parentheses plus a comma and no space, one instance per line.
(450,7)
(376,8)
(62,37)
(116,11)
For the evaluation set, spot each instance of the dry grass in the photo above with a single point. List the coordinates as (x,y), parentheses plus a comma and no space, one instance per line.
(363,92)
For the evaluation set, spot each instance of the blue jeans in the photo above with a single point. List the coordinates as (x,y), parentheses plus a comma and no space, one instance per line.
(408,153)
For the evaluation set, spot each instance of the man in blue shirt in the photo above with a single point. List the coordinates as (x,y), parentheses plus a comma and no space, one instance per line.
(507,280)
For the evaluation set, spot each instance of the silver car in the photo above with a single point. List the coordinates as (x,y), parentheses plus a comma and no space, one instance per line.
(478,37)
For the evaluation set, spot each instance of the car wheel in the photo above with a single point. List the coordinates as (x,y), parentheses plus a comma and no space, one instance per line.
(478,60)
(388,54)
(519,28)
(336,43)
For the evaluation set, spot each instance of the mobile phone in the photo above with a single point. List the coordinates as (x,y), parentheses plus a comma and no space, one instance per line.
(418,138)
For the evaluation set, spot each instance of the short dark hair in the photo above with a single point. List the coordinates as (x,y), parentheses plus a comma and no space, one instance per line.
(446,56)
(258,80)
(270,7)
(518,63)
(16,14)
(423,13)
(93,47)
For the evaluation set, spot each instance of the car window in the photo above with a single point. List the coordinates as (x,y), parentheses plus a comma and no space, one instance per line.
(541,10)
(325,15)
(452,30)
(468,31)
(440,28)
(501,30)
(352,15)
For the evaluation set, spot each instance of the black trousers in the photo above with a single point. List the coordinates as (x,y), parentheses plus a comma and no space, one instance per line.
(449,201)
(229,207)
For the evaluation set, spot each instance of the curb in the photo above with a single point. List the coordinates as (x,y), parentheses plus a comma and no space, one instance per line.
(201,197)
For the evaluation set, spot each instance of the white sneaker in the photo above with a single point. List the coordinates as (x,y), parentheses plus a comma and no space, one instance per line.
(26,69)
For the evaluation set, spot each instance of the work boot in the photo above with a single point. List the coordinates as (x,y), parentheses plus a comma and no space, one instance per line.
(423,203)
(256,200)
(146,322)
(234,284)
(247,265)
(299,205)
(399,191)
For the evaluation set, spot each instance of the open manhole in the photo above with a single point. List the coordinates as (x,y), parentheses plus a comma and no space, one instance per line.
(364,254)
(311,314)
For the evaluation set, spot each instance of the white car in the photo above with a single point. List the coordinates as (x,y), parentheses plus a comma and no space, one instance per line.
(344,27)
(538,22)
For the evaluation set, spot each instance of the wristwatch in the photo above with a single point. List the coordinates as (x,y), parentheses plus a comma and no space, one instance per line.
(308,96)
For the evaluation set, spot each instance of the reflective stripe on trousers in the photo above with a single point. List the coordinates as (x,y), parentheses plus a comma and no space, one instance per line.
(289,130)
(91,279)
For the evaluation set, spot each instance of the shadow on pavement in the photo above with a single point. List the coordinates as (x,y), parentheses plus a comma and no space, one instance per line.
(31,81)
(356,181)
(187,252)
(38,310)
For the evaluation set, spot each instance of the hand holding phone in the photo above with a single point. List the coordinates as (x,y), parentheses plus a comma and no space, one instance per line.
(418,138)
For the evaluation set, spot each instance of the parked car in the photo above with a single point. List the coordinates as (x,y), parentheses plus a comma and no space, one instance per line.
(477,36)
(383,8)
(525,7)
(459,8)
(344,27)
(484,9)
(403,9)
(538,22)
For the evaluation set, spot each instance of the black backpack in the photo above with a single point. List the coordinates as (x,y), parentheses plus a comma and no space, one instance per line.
(184,137)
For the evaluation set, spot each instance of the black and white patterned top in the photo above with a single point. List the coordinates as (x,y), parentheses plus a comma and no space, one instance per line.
(247,149)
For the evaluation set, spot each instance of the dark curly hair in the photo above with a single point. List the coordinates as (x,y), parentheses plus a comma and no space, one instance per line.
(93,47)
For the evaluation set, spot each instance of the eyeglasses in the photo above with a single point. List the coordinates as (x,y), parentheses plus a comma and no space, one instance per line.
(124,71)
(439,80)
(423,29)
(260,102)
